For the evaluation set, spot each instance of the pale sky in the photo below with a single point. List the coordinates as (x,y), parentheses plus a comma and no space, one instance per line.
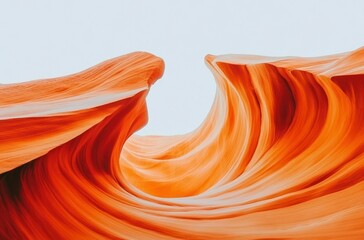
(44,38)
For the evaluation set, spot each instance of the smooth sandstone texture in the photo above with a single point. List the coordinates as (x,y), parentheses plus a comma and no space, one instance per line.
(279,156)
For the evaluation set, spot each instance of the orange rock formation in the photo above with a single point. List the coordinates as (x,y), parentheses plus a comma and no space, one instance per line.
(279,156)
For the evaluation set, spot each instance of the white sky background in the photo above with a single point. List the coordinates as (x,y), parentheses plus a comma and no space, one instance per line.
(43,39)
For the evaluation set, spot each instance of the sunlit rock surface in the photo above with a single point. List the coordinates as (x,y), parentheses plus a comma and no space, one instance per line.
(280,155)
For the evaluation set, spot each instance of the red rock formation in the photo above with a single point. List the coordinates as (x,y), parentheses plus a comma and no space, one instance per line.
(280,155)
